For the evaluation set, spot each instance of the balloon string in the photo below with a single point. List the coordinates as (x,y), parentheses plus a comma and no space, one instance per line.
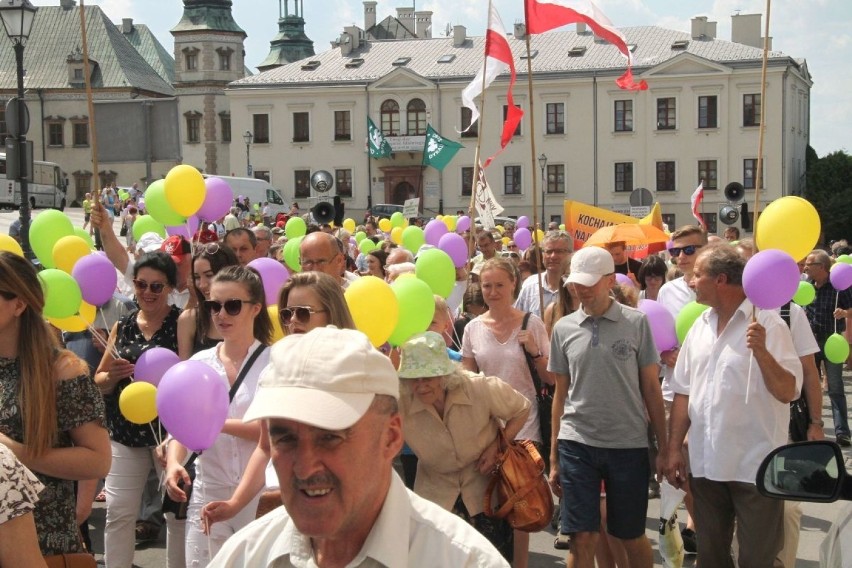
(836,304)
(103,342)
(750,360)
(158,439)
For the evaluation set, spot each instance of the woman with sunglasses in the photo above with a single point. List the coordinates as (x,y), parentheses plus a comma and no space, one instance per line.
(154,324)
(237,304)
(196,331)
(51,413)
(307,300)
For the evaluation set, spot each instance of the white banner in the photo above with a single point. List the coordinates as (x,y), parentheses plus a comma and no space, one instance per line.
(411,208)
(485,202)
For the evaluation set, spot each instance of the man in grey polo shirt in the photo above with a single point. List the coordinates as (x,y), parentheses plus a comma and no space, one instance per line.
(606,368)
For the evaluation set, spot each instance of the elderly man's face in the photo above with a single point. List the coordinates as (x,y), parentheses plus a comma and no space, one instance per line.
(333,483)
(264,241)
(318,253)
(487,246)
(703,284)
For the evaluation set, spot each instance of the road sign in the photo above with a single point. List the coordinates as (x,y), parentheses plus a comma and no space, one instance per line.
(641,196)
(12,117)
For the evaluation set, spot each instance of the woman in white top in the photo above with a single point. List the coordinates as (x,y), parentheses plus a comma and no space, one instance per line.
(494,345)
(237,304)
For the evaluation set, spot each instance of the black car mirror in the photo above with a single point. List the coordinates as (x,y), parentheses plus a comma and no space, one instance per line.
(807,471)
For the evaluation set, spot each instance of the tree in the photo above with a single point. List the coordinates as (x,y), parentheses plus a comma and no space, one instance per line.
(829,189)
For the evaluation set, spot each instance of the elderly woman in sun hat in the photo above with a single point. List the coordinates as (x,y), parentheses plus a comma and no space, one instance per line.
(450,421)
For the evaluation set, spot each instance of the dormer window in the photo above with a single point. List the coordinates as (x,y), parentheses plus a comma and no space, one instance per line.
(190,59)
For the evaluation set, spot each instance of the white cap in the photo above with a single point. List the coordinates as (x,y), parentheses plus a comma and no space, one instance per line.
(589,264)
(149,242)
(325,378)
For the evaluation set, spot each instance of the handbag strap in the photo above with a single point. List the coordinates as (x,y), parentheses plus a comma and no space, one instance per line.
(234,388)
(530,363)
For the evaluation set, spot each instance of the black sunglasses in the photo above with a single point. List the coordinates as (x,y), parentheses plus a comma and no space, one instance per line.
(302,314)
(688,250)
(232,307)
(142,285)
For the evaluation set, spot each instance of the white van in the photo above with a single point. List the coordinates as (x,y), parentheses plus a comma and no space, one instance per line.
(258,191)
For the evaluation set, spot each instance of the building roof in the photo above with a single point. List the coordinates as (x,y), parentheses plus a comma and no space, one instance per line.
(56,35)
(207,15)
(390,28)
(654,45)
(157,56)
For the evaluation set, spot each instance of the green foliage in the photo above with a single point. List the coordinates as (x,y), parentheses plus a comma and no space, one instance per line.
(829,188)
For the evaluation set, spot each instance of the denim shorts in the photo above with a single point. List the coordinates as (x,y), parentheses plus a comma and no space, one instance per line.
(625,475)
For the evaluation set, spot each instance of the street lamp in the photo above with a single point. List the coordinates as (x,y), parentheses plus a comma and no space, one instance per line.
(542,162)
(248,137)
(18,16)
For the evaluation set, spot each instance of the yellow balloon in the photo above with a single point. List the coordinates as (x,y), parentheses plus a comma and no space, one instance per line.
(385,225)
(790,224)
(9,244)
(78,322)
(277,332)
(68,250)
(505,240)
(349,225)
(501,229)
(367,297)
(396,235)
(138,402)
(539,234)
(185,190)
(450,222)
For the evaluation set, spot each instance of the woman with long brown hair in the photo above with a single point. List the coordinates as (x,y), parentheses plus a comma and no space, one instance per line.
(51,413)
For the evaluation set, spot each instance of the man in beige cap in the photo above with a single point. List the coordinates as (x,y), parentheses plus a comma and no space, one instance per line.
(330,401)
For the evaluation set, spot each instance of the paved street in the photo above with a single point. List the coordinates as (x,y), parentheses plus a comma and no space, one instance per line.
(816,518)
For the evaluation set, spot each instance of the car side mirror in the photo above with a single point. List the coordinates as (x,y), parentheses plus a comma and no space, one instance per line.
(806,471)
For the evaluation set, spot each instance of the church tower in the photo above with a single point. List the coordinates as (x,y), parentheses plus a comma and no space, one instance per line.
(209,54)
(291,43)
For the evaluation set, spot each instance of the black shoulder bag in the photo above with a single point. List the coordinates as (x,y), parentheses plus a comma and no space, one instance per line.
(544,398)
(800,418)
(179,507)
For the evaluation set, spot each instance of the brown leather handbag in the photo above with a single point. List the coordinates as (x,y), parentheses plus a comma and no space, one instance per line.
(523,495)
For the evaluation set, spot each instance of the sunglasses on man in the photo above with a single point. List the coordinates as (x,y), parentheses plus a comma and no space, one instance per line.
(688,250)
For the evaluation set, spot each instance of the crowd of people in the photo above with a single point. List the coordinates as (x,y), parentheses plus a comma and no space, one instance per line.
(334,451)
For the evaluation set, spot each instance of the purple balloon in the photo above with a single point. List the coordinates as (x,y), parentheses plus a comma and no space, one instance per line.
(624,279)
(841,276)
(433,232)
(217,200)
(153,364)
(456,247)
(462,224)
(273,274)
(97,278)
(771,279)
(523,223)
(662,324)
(522,238)
(192,402)
(186,230)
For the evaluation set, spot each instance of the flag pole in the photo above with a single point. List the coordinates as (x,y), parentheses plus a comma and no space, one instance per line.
(93,137)
(531,123)
(476,153)
(761,129)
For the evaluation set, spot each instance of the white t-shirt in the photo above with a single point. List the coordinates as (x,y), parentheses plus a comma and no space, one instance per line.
(673,295)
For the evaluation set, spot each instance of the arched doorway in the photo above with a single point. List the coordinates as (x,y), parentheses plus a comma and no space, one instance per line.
(403,191)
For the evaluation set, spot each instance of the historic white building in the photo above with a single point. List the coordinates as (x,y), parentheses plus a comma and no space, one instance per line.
(698,120)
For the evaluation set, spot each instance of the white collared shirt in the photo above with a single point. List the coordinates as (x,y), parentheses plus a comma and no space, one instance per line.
(528,298)
(409,532)
(729,437)
(673,295)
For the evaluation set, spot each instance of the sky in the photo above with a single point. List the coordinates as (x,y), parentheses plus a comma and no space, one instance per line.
(819,31)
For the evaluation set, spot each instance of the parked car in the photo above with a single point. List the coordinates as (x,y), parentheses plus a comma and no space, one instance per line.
(815,472)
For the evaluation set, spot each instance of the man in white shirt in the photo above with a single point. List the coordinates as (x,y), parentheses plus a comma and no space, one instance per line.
(733,383)
(556,248)
(330,402)
(322,252)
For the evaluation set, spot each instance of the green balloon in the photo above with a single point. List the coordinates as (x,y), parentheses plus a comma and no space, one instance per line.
(836,348)
(47,228)
(295,228)
(413,238)
(158,206)
(147,224)
(436,268)
(360,236)
(845,259)
(686,317)
(292,255)
(366,245)
(84,234)
(416,308)
(805,294)
(62,296)
(397,220)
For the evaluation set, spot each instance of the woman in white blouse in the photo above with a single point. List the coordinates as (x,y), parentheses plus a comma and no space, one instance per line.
(239,313)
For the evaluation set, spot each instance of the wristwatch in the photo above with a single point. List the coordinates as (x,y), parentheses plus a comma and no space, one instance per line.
(818,422)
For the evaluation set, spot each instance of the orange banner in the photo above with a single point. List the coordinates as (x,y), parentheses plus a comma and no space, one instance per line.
(581,220)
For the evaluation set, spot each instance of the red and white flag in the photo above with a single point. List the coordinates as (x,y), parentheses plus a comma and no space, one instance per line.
(545,15)
(498,59)
(697,198)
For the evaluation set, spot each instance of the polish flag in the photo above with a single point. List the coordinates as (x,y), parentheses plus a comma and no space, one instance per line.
(697,198)
(545,15)
(498,59)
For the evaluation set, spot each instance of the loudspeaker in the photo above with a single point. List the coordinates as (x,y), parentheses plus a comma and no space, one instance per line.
(728,215)
(734,192)
(323,212)
(338,211)
(746,220)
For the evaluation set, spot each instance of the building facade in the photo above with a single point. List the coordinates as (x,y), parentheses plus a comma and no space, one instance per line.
(698,120)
